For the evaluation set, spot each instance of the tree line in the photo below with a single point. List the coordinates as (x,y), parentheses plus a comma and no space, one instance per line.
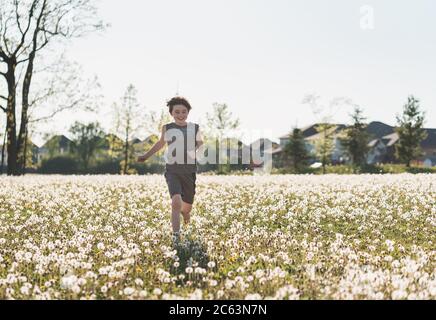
(29,28)
(355,140)
(93,150)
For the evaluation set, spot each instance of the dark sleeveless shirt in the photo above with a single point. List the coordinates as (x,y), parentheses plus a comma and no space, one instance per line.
(183,167)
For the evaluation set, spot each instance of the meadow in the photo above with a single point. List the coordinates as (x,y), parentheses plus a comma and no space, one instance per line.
(250,237)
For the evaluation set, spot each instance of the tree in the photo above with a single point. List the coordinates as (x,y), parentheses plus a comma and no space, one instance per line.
(29,151)
(87,140)
(356,138)
(114,146)
(27,28)
(220,124)
(61,88)
(52,144)
(155,122)
(296,151)
(129,120)
(324,146)
(410,131)
(3,135)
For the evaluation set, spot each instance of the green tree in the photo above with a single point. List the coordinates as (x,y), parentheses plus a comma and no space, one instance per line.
(296,152)
(29,28)
(129,120)
(87,140)
(356,138)
(324,145)
(220,124)
(155,122)
(114,146)
(410,131)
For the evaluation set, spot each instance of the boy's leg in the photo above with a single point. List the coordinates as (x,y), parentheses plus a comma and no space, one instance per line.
(176,207)
(175,190)
(186,211)
(188,193)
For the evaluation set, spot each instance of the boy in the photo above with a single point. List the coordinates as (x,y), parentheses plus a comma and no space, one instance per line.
(180,174)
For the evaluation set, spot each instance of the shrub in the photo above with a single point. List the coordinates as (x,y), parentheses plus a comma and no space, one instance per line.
(105,167)
(148,168)
(59,165)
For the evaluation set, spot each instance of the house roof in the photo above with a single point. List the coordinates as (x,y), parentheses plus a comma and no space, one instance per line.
(259,143)
(430,141)
(310,130)
(379,129)
(150,137)
(135,140)
(334,130)
(64,142)
(391,139)
(274,150)
(112,135)
(373,143)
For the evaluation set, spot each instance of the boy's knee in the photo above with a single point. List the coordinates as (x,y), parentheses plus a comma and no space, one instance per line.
(186,210)
(177,202)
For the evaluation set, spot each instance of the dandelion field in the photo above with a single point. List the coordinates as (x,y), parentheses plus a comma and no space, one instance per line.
(250,237)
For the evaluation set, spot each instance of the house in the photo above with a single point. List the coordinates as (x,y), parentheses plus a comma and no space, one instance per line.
(382,150)
(262,146)
(312,136)
(56,145)
(429,148)
(112,146)
(335,132)
(34,151)
(263,153)
(377,129)
(234,151)
(382,144)
(31,147)
(142,146)
(306,131)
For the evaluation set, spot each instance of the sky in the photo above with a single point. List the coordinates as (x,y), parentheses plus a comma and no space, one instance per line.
(262,57)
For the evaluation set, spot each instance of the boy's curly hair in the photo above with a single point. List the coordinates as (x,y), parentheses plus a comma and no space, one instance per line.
(176,101)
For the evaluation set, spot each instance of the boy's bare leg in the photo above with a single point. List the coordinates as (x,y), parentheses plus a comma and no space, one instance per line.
(176,207)
(186,212)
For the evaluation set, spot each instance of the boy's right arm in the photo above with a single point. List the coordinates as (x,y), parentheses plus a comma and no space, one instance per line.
(157,146)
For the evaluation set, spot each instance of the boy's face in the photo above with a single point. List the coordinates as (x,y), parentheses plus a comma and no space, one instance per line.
(180,113)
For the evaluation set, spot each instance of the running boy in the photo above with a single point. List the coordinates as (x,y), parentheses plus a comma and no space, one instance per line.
(181,166)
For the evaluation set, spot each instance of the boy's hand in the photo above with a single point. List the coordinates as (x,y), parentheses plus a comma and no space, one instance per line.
(141,159)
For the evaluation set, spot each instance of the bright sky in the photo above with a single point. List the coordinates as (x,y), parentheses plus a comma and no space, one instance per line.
(262,57)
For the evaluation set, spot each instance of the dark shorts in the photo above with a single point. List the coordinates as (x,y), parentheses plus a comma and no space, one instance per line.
(181,183)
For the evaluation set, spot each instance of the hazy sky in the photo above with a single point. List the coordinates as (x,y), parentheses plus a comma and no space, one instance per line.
(262,57)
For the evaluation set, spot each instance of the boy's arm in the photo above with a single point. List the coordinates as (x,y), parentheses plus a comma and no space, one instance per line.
(157,146)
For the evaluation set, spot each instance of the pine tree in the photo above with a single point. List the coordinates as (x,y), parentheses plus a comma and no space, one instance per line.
(296,151)
(410,131)
(355,141)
